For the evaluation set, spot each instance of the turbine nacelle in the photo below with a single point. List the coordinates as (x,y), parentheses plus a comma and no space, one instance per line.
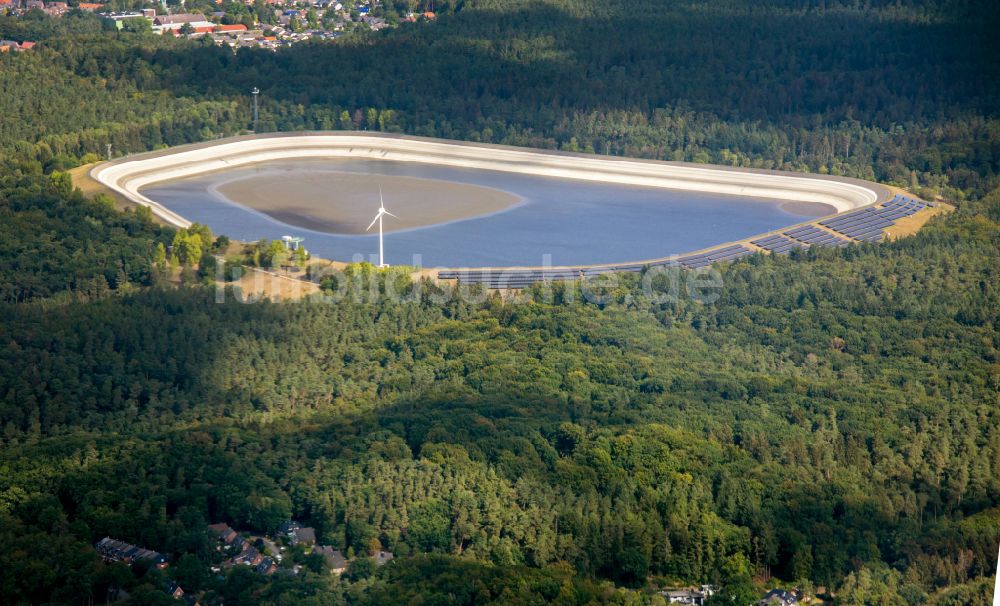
(381,211)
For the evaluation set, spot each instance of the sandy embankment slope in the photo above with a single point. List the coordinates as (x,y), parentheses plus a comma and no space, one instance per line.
(128,175)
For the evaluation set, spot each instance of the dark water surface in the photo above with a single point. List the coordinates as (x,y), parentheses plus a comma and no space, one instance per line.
(574,222)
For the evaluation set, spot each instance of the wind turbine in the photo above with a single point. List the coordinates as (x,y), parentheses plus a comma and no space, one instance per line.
(381,211)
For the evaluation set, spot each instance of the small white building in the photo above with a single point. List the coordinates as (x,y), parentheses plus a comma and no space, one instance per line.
(292,242)
(689,596)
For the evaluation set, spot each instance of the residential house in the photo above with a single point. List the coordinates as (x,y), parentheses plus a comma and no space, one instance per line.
(303,536)
(174,590)
(10,45)
(226,534)
(779,597)
(249,556)
(56,9)
(289,527)
(266,566)
(334,559)
(683,596)
(689,595)
(375,23)
(382,557)
(296,532)
(113,550)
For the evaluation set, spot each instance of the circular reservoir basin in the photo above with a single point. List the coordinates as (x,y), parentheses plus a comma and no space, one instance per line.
(466,217)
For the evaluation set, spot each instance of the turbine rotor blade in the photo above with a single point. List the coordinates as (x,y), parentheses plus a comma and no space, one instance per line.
(389,213)
(377,217)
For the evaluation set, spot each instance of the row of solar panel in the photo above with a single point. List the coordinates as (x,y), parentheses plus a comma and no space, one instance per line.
(907,208)
(904,206)
(859,225)
(777,244)
(729,253)
(865,225)
(512,276)
(869,223)
(814,236)
(870,214)
(899,201)
(903,211)
(521,278)
(872,237)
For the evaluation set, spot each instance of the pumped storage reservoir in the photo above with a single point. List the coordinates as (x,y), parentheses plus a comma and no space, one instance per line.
(464,205)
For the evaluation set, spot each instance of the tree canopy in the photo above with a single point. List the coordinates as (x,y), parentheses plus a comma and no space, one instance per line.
(832,419)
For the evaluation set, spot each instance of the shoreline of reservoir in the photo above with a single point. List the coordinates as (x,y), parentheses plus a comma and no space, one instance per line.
(808,197)
(127,175)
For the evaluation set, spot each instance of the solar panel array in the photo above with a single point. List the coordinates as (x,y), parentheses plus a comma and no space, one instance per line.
(869,224)
(509,278)
(522,278)
(814,236)
(866,225)
(729,253)
(777,244)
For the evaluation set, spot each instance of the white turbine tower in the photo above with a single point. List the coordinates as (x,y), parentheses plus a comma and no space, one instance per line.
(378,218)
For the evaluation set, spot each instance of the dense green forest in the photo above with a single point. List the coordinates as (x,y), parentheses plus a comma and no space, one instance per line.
(833,419)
